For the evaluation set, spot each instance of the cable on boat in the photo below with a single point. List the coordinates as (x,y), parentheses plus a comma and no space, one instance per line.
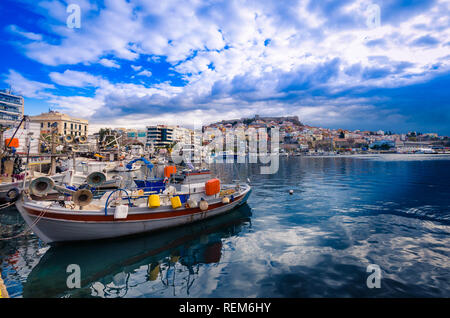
(106,203)
(6,205)
(31,226)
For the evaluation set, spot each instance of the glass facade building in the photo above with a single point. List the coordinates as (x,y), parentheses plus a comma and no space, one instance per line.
(159,136)
(11,109)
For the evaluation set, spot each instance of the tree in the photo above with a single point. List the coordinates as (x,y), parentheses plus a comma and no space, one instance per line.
(107,136)
(384,146)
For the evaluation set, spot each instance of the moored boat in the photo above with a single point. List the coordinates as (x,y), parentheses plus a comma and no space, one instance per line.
(199,243)
(62,221)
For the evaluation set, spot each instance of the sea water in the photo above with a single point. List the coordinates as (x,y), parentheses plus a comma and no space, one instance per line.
(345,215)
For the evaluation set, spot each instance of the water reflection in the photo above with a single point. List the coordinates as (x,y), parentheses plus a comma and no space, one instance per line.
(344,214)
(166,263)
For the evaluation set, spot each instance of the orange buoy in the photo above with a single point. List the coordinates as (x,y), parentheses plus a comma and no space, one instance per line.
(14,142)
(212,186)
(169,170)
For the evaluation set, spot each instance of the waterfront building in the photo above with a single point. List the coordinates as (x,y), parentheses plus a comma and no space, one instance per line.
(162,136)
(11,109)
(182,135)
(65,124)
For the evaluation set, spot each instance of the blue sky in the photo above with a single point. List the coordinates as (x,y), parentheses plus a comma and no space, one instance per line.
(335,64)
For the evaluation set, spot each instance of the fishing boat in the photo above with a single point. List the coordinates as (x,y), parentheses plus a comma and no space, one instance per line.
(81,218)
(198,243)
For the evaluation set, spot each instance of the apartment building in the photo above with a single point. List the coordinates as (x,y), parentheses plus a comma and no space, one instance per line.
(163,136)
(65,124)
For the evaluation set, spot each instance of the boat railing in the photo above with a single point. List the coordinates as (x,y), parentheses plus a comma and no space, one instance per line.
(109,196)
(137,193)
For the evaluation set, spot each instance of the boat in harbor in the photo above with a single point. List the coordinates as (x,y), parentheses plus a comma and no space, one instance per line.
(106,262)
(81,218)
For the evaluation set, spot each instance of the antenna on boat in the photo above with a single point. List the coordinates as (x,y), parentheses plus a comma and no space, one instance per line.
(30,134)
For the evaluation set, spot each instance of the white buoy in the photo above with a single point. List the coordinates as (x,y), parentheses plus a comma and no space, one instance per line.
(192,203)
(291,191)
(203,205)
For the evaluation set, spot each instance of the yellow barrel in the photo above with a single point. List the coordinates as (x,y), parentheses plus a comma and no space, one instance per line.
(174,259)
(154,201)
(176,202)
(153,273)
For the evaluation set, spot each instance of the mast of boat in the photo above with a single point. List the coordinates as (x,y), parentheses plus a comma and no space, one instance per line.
(118,148)
(28,160)
(74,167)
(53,152)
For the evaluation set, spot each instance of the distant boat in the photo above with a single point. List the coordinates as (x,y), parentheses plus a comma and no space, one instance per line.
(425,151)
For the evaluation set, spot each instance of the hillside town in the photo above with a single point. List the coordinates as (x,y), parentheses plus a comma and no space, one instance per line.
(295,137)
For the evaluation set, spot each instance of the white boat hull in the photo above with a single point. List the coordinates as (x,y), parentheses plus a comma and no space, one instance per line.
(55,226)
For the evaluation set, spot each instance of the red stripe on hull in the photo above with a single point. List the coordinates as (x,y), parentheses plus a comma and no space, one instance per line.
(196,173)
(130,217)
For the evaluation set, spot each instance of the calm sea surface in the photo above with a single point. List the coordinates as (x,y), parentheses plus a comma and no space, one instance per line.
(345,213)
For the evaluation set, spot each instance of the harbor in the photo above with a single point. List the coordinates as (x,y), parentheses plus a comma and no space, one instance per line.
(344,214)
(178,213)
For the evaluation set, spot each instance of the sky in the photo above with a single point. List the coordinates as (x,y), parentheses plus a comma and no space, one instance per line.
(360,64)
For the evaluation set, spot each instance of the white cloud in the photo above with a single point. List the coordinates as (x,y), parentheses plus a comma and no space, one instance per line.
(29,35)
(136,67)
(145,73)
(26,87)
(109,63)
(75,79)
(79,106)
(179,31)
(99,34)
